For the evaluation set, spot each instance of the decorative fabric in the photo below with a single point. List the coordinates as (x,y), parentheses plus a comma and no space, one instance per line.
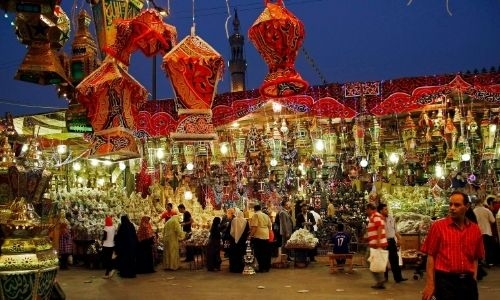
(278,34)
(194,68)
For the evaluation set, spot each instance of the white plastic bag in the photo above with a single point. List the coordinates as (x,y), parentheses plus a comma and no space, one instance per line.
(400,257)
(378,260)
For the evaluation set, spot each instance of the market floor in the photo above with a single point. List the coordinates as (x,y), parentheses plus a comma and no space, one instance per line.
(313,282)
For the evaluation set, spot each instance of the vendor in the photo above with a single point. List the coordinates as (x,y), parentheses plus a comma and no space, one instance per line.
(168,213)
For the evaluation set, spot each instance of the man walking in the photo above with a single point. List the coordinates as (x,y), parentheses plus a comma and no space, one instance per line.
(453,246)
(375,233)
(393,238)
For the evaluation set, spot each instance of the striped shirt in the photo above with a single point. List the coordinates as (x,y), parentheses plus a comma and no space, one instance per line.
(454,250)
(376,221)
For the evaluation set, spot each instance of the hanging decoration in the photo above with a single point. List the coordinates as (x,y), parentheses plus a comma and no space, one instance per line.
(278,35)
(44,28)
(107,13)
(194,69)
(146,32)
(112,98)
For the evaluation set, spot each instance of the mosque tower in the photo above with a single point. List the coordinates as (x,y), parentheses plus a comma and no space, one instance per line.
(237,64)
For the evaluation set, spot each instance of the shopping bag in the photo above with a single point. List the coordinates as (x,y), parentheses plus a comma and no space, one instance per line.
(378,260)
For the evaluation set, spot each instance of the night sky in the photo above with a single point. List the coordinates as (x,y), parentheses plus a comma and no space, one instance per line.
(346,40)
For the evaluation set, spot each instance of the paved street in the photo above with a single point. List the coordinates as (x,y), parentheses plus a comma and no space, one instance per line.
(313,282)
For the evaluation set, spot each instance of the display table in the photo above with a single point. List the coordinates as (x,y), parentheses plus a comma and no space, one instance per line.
(299,255)
(199,256)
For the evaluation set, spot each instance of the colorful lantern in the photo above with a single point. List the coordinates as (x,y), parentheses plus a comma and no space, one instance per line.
(112,98)
(409,135)
(278,34)
(146,32)
(194,69)
(107,13)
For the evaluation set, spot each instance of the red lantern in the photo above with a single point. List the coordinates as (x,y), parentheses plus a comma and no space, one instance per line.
(146,32)
(112,98)
(278,34)
(195,69)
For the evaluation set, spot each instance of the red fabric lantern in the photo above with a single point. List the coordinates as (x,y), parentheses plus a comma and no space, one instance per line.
(146,32)
(195,69)
(112,98)
(278,34)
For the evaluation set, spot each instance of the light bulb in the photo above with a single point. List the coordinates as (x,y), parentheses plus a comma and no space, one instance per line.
(77,166)
(160,153)
(94,162)
(319,144)
(277,107)
(61,149)
(224,149)
(439,171)
(274,162)
(466,157)
(189,166)
(394,158)
(188,195)
(107,163)
(363,163)
(122,165)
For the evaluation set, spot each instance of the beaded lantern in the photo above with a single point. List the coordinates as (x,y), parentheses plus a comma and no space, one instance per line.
(278,34)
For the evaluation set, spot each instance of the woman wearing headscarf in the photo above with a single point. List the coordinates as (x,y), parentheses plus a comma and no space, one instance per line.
(108,246)
(172,234)
(126,248)
(146,237)
(239,235)
(213,246)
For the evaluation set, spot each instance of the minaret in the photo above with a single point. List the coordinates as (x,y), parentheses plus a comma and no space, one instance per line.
(237,64)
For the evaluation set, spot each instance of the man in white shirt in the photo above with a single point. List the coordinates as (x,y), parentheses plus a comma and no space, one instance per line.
(484,219)
(393,238)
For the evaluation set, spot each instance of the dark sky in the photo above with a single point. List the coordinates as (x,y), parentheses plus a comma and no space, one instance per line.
(346,40)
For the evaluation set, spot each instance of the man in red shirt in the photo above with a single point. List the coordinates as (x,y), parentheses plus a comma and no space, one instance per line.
(375,233)
(168,213)
(453,247)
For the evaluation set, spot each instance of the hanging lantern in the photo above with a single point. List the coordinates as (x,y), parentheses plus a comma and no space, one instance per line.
(41,65)
(358,132)
(112,98)
(409,135)
(176,152)
(450,135)
(146,32)
(194,69)
(331,139)
(107,13)
(240,147)
(278,34)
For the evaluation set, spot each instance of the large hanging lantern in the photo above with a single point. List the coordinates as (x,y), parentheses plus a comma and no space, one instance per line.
(278,34)
(112,98)
(194,69)
(45,29)
(146,32)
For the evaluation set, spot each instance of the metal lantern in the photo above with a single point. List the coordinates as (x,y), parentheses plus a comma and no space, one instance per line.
(278,35)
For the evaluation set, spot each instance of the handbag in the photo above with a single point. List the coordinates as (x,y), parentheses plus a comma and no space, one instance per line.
(378,260)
